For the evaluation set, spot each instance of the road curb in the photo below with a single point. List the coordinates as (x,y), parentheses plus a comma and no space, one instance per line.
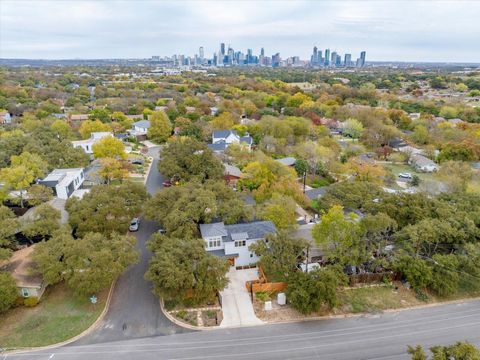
(364,314)
(75,338)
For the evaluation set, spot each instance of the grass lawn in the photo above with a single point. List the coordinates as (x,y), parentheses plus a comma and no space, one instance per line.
(376,299)
(58,317)
(399,168)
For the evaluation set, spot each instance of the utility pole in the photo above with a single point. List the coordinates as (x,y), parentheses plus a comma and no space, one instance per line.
(304,180)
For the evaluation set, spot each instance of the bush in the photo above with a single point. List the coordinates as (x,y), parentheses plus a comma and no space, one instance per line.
(8,291)
(182,314)
(30,301)
(262,296)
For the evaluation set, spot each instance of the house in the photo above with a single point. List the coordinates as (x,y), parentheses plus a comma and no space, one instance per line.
(78,117)
(456,122)
(20,265)
(5,117)
(221,139)
(140,129)
(232,174)
(87,145)
(287,161)
(64,181)
(233,241)
(421,163)
(315,194)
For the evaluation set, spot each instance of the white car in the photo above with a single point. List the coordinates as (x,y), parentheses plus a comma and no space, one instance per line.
(162,231)
(405,175)
(134,224)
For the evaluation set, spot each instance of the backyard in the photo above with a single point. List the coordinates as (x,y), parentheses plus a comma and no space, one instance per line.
(58,317)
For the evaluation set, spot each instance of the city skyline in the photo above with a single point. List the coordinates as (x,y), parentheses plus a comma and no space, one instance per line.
(390,31)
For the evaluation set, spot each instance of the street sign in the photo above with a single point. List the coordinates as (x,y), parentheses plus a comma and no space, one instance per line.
(93,299)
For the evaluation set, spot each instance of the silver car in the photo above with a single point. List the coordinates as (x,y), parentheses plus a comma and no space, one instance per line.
(134,224)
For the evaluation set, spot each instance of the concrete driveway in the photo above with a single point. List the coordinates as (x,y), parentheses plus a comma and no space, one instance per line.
(236,304)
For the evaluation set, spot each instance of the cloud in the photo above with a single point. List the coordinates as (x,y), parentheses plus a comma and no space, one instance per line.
(388,30)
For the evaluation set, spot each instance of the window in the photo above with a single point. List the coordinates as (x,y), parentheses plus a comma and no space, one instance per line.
(25,292)
(251,255)
(240,243)
(214,243)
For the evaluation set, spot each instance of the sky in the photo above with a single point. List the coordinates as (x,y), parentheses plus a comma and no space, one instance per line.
(443,31)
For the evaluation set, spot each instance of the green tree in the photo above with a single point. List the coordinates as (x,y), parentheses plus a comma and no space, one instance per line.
(420,135)
(445,274)
(17,178)
(44,222)
(458,351)
(340,237)
(417,272)
(89,126)
(62,130)
(38,194)
(180,268)
(8,291)
(109,147)
(281,210)
(280,253)
(8,229)
(188,159)
(160,127)
(307,292)
(112,169)
(103,115)
(353,128)
(106,208)
(417,352)
(377,231)
(87,264)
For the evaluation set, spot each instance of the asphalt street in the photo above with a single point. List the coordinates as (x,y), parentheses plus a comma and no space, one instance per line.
(376,337)
(134,311)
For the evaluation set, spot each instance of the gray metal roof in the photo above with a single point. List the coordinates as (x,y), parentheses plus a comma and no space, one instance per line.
(239,236)
(246,139)
(288,161)
(142,124)
(314,194)
(223,133)
(219,146)
(255,229)
(214,229)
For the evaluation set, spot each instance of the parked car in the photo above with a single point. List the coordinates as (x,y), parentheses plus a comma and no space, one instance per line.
(162,231)
(134,224)
(167,183)
(405,175)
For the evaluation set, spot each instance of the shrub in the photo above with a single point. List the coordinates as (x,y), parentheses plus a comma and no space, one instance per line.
(262,296)
(8,291)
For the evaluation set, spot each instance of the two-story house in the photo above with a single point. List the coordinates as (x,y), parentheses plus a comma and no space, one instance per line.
(221,139)
(64,181)
(233,241)
(87,145)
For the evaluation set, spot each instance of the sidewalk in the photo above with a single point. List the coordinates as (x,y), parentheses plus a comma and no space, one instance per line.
(236,305)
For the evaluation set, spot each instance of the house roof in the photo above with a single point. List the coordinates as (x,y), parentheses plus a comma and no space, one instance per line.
(223,133)
(142,124)
(246,139)
(288,161)
(232,170)
(255,229)
(314,194)
(251,230)
(421,160)
(214,229)
(218,146)
(20,265)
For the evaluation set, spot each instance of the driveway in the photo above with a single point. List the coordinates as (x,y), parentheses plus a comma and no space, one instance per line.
(134,311)
(236,304)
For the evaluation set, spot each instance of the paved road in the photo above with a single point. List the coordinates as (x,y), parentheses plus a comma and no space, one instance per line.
(375,337)
(134,311)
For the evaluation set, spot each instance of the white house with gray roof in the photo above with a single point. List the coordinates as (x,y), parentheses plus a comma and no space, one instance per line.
(221,139)
(233,241)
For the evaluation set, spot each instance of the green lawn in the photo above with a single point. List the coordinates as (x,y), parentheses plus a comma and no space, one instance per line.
(59,317)
(398,168)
